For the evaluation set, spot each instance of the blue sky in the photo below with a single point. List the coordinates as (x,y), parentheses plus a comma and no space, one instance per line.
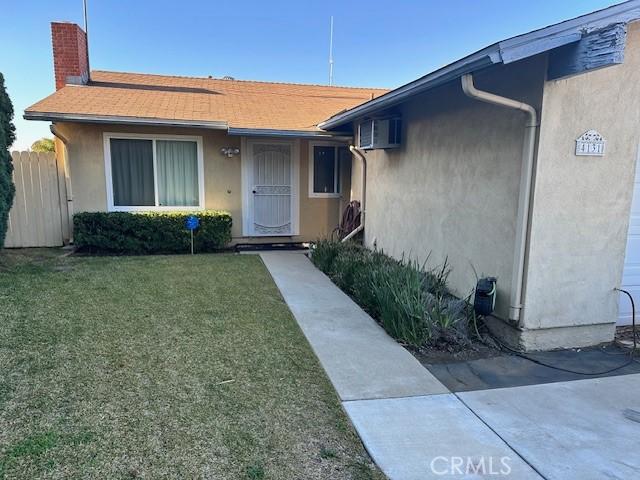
(376,43)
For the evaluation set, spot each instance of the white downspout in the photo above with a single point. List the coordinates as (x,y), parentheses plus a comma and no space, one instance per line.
(526,175)
(363,200)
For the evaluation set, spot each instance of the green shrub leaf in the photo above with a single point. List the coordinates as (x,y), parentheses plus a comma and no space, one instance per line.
(411,302)
(150,232)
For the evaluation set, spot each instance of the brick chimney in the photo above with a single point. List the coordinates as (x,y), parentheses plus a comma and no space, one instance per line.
(70,55)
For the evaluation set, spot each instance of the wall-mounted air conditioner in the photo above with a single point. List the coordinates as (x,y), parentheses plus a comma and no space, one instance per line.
(380,133)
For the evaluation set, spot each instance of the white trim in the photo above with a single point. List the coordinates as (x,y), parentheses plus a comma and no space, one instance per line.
(270,132)
(246,169)
(115,119)
(336,167)
(295,189)
(245,175)
(107,136)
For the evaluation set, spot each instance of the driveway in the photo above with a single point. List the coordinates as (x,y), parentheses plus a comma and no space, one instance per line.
(568,430)
(417,429)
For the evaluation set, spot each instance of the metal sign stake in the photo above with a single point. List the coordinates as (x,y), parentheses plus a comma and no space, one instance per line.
(192,222)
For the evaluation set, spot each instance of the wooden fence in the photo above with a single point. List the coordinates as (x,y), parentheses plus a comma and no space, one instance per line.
(38,217)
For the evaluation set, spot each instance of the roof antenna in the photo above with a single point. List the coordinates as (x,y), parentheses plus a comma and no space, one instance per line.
(331,53)
(86,34)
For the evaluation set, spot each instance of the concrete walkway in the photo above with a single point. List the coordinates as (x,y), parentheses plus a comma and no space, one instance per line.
(361,360)
(410,424)
(434,436)
(414,429)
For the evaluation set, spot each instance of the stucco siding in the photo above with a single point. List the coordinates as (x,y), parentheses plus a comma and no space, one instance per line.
(86,166)
(451,190)
(222,177)
(581,204)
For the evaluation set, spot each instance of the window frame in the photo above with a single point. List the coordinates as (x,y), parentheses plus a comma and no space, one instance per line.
(336,165)
(107,136)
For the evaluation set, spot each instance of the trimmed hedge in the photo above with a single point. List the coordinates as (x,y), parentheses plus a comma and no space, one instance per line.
(150,232)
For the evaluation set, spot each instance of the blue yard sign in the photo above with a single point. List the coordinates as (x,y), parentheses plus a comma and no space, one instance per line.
(192,223)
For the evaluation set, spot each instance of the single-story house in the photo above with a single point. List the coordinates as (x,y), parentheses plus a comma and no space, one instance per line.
(135,142)
(517,161)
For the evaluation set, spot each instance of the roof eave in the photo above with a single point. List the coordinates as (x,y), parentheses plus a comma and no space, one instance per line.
(268,132)
(506,51)
(82,118)
(214,125)
(482,59)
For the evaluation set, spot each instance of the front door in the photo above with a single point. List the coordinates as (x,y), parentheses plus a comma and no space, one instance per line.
(272,194)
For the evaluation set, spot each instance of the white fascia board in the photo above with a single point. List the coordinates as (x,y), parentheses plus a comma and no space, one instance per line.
(66,117)
(266,132)
(478,60)
(506,51)
(569,31)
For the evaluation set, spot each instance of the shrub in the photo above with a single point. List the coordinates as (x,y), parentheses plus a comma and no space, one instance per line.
(450,319)
(349,266)
(324,255)
(7,136)
(148,233)
(400,300)
(411,303)
(377,267)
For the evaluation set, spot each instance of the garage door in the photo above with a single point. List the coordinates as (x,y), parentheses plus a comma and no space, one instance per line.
(631,273)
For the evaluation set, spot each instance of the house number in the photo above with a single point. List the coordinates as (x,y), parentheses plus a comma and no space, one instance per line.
(590,143)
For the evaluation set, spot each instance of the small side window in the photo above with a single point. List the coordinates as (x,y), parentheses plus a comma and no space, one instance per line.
(324,170)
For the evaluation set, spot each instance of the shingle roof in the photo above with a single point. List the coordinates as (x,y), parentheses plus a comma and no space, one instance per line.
(239,103)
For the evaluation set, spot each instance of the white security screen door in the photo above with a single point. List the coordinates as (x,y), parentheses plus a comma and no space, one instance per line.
(272,188)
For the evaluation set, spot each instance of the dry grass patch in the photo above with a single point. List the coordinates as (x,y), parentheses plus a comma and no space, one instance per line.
(161,367)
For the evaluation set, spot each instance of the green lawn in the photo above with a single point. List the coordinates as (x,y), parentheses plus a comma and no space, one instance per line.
(161,367)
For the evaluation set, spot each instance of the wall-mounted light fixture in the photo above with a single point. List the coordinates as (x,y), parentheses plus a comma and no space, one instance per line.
(229,151)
